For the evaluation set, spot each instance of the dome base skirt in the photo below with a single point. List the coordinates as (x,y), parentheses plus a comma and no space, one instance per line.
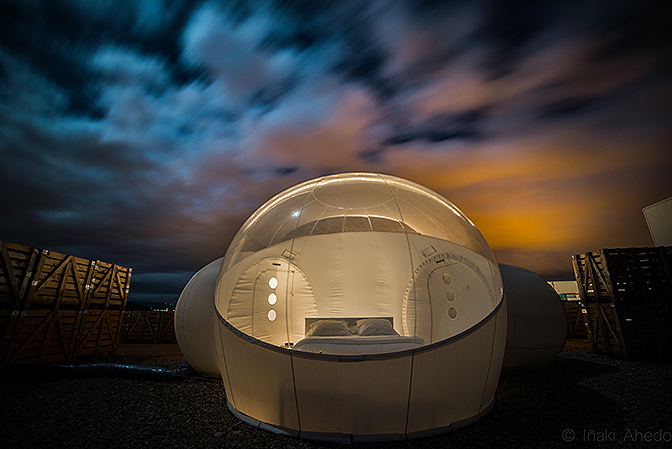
(344,438)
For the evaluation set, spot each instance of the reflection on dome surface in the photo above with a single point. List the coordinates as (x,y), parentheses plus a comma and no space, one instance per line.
(358,246)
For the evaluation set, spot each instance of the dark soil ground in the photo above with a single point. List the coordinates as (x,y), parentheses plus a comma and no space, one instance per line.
(580,400)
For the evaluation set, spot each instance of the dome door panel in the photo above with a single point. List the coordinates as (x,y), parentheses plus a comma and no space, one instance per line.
(274,297)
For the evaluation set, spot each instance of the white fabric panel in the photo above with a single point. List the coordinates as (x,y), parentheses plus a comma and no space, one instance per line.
(241,302)
(221,359)
(497,359)
(358,344)
(259,381)
(451,290)
(249,306)
(445,310)
(363,274)
(352,397)
(449,382)
(194,320)
(537,329)
(228,280)
(380,276)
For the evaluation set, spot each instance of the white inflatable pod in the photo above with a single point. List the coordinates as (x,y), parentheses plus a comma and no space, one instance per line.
(195,320)
(537,321)
(359,307)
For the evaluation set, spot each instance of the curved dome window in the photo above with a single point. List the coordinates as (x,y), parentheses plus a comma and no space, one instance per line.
(353,247)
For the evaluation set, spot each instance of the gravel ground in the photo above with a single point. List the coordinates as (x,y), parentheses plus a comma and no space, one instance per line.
(580,400)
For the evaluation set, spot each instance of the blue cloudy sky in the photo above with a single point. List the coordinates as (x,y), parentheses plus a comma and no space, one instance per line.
(144,132)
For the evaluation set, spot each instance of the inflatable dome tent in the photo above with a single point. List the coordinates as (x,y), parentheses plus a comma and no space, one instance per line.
(353,307)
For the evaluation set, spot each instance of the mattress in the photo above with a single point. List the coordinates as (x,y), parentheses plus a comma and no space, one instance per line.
(357,344)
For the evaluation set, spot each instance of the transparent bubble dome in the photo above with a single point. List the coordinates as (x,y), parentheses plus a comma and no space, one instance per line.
(357,246)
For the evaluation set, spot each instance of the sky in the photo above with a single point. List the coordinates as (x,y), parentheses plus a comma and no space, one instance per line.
(144,132)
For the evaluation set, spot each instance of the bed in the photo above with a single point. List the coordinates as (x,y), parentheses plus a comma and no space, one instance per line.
(354,336)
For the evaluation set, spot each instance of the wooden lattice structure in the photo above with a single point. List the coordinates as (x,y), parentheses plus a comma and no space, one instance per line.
(577,325)
(58,308)
(148,326)
(626,295)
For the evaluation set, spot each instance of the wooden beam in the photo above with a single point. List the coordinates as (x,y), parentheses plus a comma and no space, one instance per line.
(603,278)
(62,284)
(112,335)
(79,320)
(19,305)
(32,336)
(101,320)
(10,270)
(34,256)
(79,288)
(619,334)
(100,283)
(137,319)
(47,336)
(67,347)
(85,338)
(41,284)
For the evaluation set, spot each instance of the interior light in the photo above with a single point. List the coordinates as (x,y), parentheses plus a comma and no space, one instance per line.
(447,279)
(272,315)
(272,299)
(273,282)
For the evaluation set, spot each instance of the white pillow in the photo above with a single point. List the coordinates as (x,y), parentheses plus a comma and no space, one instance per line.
(375,326)
(328,328)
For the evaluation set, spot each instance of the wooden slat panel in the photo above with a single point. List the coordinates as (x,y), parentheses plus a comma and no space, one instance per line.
(577,326)
(148,327)
(52,322)
(16,265)
(640,330)
(625,275)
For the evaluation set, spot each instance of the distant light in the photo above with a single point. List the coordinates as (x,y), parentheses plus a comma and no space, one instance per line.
(295,213)
(272,299)
(272,315)
(273,282)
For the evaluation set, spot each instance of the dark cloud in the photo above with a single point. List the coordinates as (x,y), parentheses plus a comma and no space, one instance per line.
(286,170)
(463,125)
(373,156)
(145,132)
(508,27)
(566,106)
(628,28)
(58,38)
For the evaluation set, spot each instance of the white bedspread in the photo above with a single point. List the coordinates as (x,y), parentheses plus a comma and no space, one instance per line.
(357,344)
